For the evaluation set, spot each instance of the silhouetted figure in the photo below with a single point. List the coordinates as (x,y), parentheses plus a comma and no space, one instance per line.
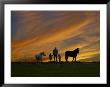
(71,54)
(59,57)
(55,54)
(50,57)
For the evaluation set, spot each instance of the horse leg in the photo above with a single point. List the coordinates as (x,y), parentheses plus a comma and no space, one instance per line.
(36,60)
(40,60)
(66,58)
(75,59)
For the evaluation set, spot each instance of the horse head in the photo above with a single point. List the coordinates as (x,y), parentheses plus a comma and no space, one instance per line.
(77,48)
(43,53)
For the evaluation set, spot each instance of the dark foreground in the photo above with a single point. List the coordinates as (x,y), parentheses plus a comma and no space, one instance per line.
(55,69)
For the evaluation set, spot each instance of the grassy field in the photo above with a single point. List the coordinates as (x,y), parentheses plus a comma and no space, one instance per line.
(55,69)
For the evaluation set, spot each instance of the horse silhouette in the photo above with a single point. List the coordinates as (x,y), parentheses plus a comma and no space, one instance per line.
(71,54)
(40,56)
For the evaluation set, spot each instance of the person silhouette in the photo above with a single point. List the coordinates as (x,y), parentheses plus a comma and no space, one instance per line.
(59,57)
(55,54)
(50,57)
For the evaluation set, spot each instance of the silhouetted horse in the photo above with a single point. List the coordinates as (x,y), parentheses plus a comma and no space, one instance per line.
(71,54)
(40,56)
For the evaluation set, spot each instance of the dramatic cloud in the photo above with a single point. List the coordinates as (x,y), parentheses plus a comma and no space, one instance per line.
(37,31)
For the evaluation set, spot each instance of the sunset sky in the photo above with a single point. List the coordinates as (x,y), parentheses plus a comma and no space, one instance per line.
(35,31)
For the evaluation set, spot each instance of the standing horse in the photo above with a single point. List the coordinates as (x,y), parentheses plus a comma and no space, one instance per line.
(71,54)
(40,56)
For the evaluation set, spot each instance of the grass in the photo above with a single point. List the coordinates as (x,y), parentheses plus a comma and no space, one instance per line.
(80,69)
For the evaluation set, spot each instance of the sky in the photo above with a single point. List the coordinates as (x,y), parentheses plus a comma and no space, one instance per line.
(33,32)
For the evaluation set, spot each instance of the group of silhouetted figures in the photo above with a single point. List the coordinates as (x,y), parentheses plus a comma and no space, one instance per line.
(57,56)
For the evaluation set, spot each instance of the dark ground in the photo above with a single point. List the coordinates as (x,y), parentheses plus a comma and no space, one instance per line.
(79,69)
